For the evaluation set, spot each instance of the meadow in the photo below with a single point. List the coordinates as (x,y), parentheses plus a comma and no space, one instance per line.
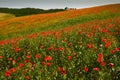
(67,47)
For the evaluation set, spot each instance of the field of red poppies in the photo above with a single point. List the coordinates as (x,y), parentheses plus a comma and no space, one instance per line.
(81,44)
(89,51)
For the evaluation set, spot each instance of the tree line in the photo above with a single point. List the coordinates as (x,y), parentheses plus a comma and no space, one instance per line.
(28,11)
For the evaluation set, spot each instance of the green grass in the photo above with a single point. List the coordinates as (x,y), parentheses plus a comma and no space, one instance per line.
(72,56)
(58,25)
(6,16)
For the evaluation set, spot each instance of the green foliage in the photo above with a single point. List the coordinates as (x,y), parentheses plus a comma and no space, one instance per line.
(27,11)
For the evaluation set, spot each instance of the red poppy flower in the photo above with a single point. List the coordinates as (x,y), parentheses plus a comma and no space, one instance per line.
(27,77)
(89,35)
(86,69)
(1,57)
(50,49)
(37,56)
(12,70)
(43,63)
(60,48)
(42,32)
(7,74)
(96,69)
(60,69)
(100,57)
(99,60)
(63,72)
(48,64)
(112,51)
(104,40)
(56,49)
(48,58)
(104,30)
(17,49)
(10,59)
(89,45)
(116,49)
(28,56)
(74,53)
(111,64)
(21,64)
(107,44)
(69,57)
(103,63)
(27,61)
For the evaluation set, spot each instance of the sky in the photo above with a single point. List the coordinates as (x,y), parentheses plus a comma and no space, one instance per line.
(48,4)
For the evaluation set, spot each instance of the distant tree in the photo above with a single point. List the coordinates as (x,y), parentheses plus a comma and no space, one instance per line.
(66,8)
(27,11)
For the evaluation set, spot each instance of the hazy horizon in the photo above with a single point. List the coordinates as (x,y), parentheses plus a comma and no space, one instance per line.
(53,4)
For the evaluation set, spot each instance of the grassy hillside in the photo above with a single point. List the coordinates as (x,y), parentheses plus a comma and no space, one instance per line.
(5,16)
(79,44)
(88,51)
(22,26)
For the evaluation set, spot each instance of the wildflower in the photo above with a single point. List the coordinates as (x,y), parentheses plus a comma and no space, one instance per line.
(27,61)
(89,45)
(48,64)
(69,57)
(111,64)
(27,77)
(74,53)
(7,74)
(100,57)
(21,64)
(86,69)
(12,70)
(60,48)
(104,30)
(96,69)
(56,49)
(42,32)
(104,40)
(37,56)
(89,35)
(103,63)
(28,56)
(116,49)
(48,58)
(41,46)
(112,51)
(63,72)
(17,49)
(14,44)
(43,63)
(1,57)
(107,44)
(60,69)
(50,49)
(10,59)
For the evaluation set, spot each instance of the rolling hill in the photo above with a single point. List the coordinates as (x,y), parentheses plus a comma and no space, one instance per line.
(21,26)
(81,44)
